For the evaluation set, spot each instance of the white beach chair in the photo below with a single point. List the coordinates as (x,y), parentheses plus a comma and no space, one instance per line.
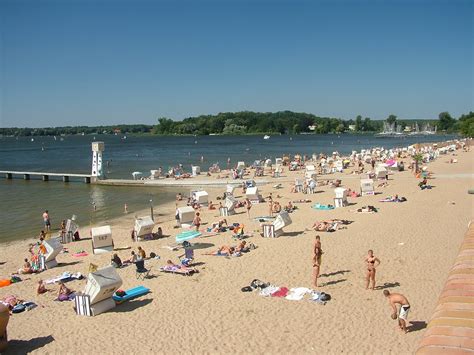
(341,197)
(97,296)
(367,187)
(143,227)
(102,241)
(201,197)
(230,203)
(282,220)
(196,170)
(53,248)
(186,216)
(253,195)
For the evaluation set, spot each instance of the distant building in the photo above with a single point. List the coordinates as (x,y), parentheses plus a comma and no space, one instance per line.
(312,128)
(352,127)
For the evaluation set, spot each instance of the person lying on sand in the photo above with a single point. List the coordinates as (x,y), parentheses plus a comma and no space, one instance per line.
(365,209)
(330,225)
(223,250)
(170,266)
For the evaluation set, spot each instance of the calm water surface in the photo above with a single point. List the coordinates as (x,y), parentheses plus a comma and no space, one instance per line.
(24,201)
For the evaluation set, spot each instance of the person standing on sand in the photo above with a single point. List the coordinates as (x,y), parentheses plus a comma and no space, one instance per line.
(372,262)
(317,254)
(197,221)
(248,205)
(394,299)
(46,220)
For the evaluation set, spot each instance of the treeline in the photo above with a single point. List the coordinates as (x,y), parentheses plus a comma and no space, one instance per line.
(247,122)
(69,130)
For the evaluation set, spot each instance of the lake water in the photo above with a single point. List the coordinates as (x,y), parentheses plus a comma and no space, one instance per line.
(24,201)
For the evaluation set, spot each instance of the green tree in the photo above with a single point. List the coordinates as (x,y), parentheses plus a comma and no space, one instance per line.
(466,124)
(392,119)
(358,123)
(446,122)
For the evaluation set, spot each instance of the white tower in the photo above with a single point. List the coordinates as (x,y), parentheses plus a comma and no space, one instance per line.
(97,149)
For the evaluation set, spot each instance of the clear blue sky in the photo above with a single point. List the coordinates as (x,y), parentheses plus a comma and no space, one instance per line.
(71,62)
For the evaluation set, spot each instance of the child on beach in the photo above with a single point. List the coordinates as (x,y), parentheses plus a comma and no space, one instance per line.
(197,221)
(41,288)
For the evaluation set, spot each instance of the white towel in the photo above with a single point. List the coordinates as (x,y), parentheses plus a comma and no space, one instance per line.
(269,290)
(297,294)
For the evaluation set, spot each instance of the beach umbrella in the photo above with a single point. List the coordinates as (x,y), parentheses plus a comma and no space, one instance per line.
(187,235)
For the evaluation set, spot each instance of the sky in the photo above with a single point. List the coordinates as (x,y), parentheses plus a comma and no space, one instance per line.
(71,62)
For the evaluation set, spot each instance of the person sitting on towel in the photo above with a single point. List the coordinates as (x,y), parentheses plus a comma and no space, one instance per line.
(141,253)
(41,288)
(64,292)
(26,269)
(133,258)
(116,261)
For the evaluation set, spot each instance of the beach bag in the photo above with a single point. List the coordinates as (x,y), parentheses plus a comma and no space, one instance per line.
(247,289)
(18,308)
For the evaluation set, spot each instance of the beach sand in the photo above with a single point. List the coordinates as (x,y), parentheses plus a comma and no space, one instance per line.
(416,241)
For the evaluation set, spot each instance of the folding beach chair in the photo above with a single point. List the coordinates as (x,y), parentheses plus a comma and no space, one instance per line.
(141,272)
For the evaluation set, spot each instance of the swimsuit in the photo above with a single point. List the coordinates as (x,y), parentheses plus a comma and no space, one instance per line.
(404,312)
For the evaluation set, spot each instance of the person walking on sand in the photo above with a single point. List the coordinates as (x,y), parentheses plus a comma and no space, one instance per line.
(394,299)
(372,262)
(46,220)
(317,255)
(248,205)
(197,221)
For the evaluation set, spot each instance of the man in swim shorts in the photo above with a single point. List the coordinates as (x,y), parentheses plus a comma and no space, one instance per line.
(394,299)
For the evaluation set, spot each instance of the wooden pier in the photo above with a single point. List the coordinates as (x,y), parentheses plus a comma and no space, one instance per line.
(45,176)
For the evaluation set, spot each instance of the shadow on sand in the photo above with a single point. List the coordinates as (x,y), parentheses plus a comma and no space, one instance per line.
(416,325)
(387,285)
(27,346)
(131,305)
(340,272)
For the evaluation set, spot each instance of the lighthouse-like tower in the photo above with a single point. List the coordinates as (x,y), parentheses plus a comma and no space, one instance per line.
(97,149)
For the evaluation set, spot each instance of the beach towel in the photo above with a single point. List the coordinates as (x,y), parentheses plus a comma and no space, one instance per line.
(62,298)
(297,294)
(319,206)
(269,290)
(129,294)
(65,277)
(282,292)
(392,199)
(187,235)
(78,255)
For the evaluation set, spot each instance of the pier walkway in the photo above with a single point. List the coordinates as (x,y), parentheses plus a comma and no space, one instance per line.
(45,176)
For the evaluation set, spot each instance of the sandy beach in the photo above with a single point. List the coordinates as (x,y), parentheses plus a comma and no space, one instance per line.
(416,242)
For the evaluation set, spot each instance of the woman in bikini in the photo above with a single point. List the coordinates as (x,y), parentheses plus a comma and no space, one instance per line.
(317,254)
(372,262)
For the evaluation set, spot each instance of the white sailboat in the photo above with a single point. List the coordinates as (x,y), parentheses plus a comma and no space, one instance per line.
(266,136)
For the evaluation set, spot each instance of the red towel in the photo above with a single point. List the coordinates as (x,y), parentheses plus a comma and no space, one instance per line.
(282,292)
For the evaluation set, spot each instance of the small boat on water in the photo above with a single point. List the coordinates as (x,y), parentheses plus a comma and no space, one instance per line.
(266,136)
